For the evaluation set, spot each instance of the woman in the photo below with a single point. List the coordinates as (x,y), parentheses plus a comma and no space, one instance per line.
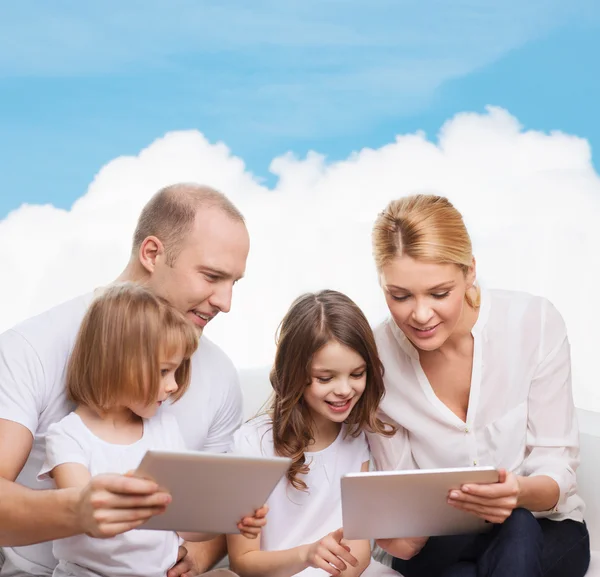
(475,378)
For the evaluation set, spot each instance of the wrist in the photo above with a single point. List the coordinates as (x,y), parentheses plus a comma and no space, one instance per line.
(302,552)
(521,482)
(69,501)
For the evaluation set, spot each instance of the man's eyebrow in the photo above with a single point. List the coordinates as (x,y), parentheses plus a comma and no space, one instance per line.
(217,272)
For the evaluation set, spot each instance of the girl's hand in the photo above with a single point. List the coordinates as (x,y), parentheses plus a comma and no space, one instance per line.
(250,527)
(493,502)
(329,554)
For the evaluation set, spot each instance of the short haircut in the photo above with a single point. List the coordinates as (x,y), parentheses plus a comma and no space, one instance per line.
(117,353)
(170,213)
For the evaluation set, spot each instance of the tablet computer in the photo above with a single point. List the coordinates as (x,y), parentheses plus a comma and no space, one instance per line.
(211,492)
(388,504)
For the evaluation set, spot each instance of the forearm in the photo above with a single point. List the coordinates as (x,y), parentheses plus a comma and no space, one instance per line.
(207,554)
(28,516)
(270,563)
(538,493)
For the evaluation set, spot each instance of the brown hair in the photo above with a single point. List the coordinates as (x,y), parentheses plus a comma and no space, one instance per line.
(425,227)
(170,213)
(312,321)
(117,353)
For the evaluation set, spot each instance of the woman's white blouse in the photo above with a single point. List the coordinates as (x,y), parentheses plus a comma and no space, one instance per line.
(521,415)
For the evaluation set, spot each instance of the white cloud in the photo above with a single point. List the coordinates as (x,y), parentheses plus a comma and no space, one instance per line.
(531,201)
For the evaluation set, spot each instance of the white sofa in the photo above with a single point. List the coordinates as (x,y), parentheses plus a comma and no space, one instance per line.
(256,389)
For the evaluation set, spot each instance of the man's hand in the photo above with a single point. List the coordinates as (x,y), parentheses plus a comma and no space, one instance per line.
(185,566)
(493,502)
(112,504)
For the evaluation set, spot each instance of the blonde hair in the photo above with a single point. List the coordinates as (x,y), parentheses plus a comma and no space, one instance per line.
(170,213)
(117,353)
(425,227)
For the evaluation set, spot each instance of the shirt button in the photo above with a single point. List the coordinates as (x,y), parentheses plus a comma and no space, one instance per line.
(474,462)
(466,429)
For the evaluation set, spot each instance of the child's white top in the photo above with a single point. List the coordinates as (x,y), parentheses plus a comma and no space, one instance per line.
(139,552)
(301,517)
(520,416)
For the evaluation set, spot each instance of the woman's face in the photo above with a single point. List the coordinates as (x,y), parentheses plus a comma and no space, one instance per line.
(426,300)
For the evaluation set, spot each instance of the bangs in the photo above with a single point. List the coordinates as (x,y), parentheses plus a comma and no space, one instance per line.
(180,339)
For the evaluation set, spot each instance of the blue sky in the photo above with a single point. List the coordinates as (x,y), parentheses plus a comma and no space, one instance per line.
(81,84)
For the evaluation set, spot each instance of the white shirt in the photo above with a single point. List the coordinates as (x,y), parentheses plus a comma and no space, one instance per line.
(33,359)
(300,517)
(142,553)
(521,414)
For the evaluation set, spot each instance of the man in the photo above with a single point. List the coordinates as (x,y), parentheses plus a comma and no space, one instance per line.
(190,246)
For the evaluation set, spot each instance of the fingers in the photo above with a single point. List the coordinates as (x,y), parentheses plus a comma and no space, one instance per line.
(107,500)
(484,502)
(110,530)
(249,533)
(262,512)
(124,485)
(181,553)
(507,485)
(180,570)
(330,562)
(106,521)
(252,522)
(491,514)
(343,552)
(183,567)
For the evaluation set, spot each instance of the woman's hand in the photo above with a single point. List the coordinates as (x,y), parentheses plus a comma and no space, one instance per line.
(330,554)
(493,502)
(405,548)
(250,527)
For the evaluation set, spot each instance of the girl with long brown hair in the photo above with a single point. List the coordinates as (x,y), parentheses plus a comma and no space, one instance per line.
(327,384)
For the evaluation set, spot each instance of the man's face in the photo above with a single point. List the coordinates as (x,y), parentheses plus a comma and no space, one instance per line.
(212,259)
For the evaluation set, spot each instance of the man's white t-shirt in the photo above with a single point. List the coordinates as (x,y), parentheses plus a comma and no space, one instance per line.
(301,517)
(138,553)
(33,360)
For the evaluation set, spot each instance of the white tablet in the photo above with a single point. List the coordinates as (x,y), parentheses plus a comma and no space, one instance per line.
(210,492)
(388,504)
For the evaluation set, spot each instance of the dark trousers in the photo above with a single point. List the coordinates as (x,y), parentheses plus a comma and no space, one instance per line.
(522,546)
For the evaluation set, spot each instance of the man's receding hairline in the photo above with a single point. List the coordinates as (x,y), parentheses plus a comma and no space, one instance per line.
(170,213)
(201,196)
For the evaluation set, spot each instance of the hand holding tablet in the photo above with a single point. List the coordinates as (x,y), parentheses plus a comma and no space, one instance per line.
(212,493)
(413,503)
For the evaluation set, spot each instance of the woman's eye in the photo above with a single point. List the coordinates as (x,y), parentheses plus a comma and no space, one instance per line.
(440,295)
(358,375)
(324,379)
(164,372)
(397,298)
